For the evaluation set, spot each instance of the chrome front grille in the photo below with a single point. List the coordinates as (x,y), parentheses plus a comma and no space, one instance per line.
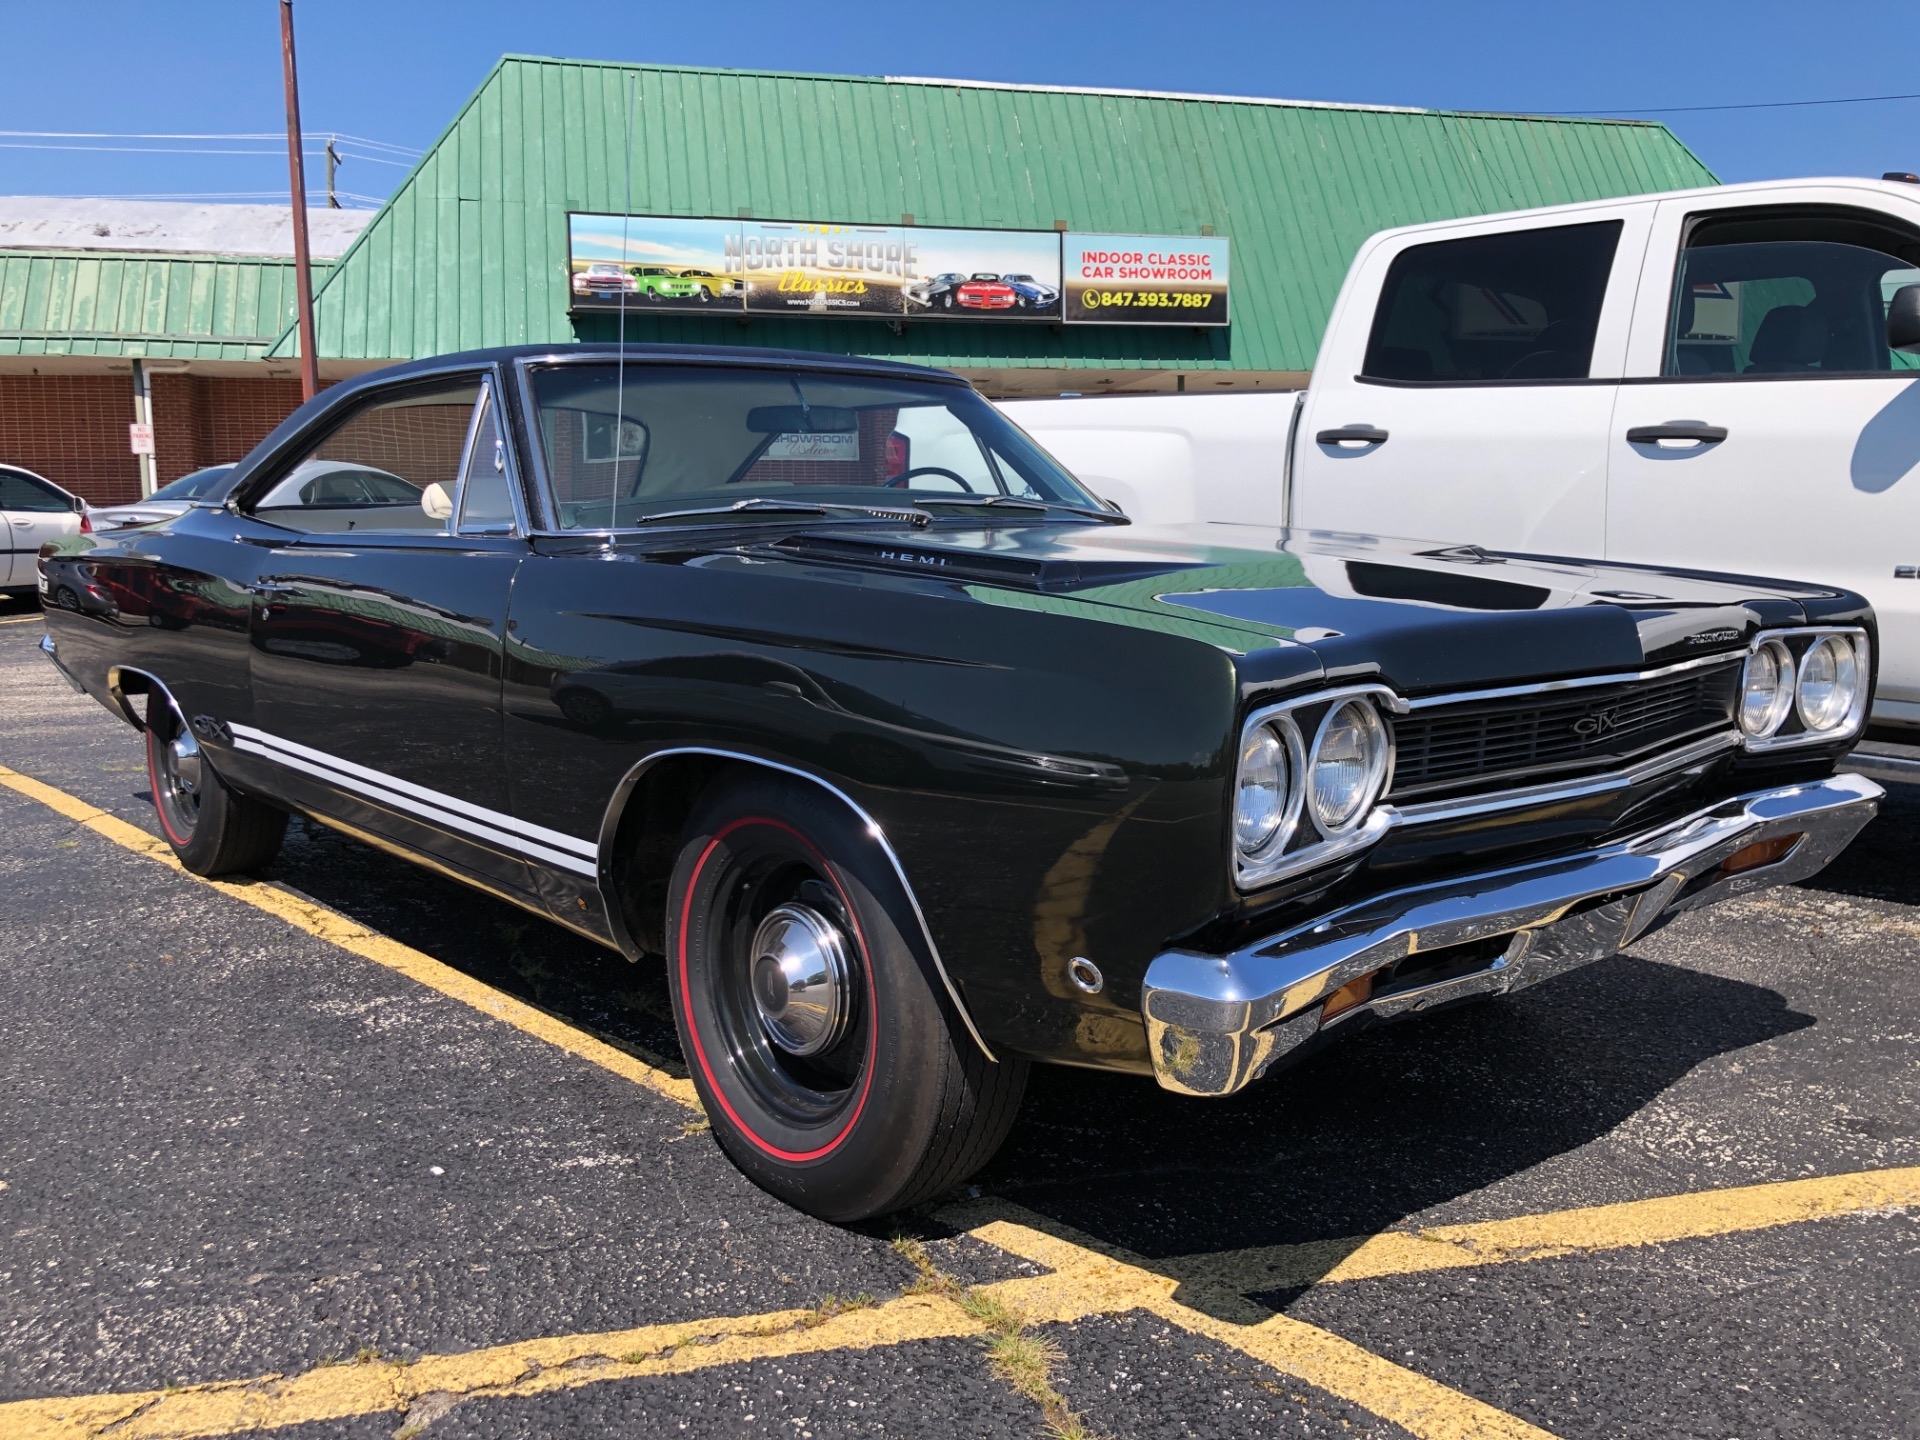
(1513,740)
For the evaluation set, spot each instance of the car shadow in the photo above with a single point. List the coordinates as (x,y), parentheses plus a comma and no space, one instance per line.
(1879,864)
(508,948)
(1353,1141)
(1401,1119)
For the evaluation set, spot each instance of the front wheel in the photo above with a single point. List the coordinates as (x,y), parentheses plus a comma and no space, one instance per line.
(825,1055)
(212,829)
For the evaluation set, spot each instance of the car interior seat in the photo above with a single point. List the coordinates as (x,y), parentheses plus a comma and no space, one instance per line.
(1790,338)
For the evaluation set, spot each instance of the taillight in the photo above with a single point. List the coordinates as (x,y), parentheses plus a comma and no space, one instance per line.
(86,523)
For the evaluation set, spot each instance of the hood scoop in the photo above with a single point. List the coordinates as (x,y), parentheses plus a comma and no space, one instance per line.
(962,564)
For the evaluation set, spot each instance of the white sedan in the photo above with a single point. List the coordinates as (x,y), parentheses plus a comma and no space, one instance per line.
(33,510)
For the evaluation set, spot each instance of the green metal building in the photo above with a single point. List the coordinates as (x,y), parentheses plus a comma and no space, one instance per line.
(472,250)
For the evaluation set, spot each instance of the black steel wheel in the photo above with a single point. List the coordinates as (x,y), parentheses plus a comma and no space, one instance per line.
(826,1055)
(213,829)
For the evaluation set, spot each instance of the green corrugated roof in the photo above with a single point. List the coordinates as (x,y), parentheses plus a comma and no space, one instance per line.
(472,249)
(163,306)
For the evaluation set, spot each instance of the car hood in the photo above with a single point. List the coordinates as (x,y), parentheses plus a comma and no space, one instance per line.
(1420,616)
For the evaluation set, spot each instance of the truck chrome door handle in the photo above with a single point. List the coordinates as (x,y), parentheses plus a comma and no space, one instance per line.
(1677,430)
(269,588)
(1351,434)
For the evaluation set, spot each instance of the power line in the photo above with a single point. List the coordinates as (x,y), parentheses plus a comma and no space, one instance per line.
(1753,105)
(237,135)
(191,150)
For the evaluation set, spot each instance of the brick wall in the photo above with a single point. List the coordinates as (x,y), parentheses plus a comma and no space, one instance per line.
(203,420)
(421,443)
(73,430)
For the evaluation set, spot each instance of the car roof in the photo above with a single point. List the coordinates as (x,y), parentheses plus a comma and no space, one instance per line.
(646,354)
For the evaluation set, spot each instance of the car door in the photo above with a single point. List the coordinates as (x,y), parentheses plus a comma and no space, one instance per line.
(1470,403)
(32,512)
(378,625)
(1765,426)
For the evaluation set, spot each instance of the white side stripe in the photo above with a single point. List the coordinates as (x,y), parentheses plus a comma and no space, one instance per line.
(422,803)
(498,821)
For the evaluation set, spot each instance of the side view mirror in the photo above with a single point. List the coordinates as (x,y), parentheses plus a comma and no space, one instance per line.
(1903,319)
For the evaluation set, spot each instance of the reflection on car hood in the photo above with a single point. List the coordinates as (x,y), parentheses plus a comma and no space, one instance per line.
(1420,615)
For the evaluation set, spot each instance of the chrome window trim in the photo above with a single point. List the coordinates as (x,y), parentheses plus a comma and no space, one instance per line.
(1856,717)
(1249,873)
(353,399)
(491,397)
(610,825)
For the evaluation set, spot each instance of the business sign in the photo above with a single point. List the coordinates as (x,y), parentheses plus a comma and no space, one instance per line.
(1145,279)
(651,263)
(767,267)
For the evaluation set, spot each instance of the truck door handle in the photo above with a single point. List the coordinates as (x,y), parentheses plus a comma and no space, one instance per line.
(269,588)
(1677,430)
(1351,434)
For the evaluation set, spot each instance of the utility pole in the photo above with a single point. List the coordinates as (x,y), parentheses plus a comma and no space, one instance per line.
(297,175)
(333,164)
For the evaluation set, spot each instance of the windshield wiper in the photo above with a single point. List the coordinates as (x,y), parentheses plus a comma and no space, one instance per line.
(766,505)
(1016,502)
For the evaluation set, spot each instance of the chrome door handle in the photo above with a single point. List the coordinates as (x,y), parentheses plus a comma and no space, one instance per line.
(1351,434)
(269,588)
(1677,430)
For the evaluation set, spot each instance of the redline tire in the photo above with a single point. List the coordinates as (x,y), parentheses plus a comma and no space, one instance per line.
(211,829)
(900,1109)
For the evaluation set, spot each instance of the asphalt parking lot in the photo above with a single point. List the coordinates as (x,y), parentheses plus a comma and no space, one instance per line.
(350,1151)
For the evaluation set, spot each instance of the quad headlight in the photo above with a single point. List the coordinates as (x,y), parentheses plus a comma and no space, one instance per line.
(1266,789)
(1766,689)
(1830,684)
(1348,766)
(1297,804)
(1803,687)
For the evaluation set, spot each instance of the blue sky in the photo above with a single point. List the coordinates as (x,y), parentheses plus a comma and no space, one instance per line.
(395,71)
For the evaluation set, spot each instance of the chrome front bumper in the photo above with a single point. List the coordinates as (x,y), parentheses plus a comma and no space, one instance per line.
(1215,1023)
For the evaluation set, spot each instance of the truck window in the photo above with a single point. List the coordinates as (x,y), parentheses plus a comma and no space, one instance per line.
(1522,305)
(1789,292)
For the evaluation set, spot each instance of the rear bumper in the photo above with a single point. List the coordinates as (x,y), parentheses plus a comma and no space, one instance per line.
(1215,1023)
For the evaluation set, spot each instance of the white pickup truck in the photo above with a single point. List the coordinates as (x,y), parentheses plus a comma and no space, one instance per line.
(1723,379)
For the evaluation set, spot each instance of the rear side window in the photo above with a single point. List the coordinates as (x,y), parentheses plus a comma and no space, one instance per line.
(394,465)
(22,492)
(1789,292)
(1519,306)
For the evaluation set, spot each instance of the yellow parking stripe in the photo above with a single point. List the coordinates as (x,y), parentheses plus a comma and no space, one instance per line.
(1085,1278)
(350,935)
(1545,1237)
(22,620)
(532,1367)
(1110,1279)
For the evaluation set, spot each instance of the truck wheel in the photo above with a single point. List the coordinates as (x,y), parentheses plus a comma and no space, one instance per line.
(212,829)
(826,1058)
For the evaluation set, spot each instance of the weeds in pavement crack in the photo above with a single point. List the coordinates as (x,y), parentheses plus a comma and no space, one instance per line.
(831,1305)
(1023,1361)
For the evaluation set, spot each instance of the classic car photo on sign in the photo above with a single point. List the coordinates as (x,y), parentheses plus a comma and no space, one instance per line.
(817,682)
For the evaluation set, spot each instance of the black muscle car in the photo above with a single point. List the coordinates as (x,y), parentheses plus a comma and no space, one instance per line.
(913,776)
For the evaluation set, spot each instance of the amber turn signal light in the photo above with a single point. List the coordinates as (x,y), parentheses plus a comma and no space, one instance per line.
(1761,852)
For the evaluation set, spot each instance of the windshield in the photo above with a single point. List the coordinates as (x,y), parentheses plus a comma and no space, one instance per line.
(671,438)
(193,485)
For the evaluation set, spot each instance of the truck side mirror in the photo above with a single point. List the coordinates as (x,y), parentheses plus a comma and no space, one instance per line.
(1903,319)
